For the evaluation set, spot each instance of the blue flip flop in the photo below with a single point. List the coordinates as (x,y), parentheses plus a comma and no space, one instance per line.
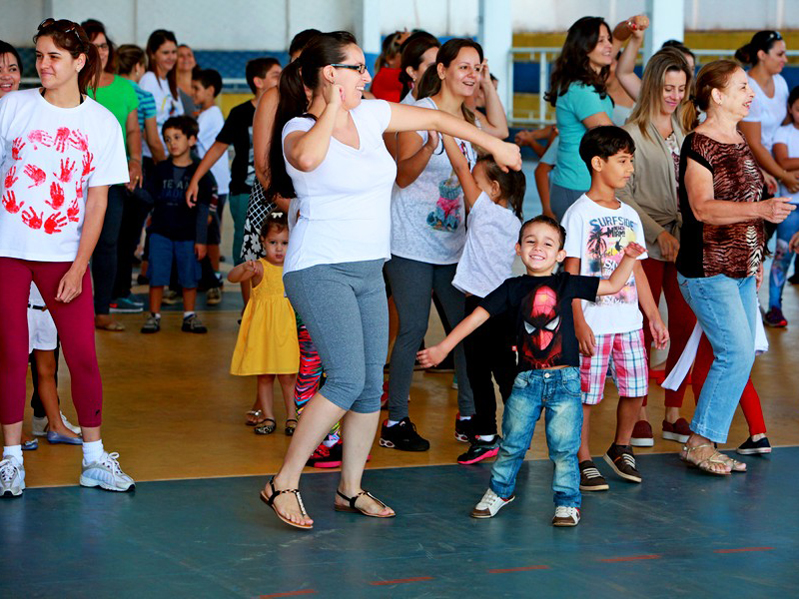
(57,438)
(30,444)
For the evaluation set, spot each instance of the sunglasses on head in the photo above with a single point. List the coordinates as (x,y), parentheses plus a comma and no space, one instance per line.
(63,25)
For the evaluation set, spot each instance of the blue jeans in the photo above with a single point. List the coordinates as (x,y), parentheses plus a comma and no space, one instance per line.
(726,308)
(557,391)
(782,260)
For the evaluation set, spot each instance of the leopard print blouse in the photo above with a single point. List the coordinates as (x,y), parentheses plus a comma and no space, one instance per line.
(733,250)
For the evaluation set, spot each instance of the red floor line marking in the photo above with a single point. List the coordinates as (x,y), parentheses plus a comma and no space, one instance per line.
(730,550)
(627,558)
(393,581)
(533,568)
(287,594)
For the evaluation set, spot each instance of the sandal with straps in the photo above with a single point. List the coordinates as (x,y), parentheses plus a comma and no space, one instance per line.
(254,417)
(716,458)
(354,509)
(267,426)
(290,428)
(270,502)
(736,466)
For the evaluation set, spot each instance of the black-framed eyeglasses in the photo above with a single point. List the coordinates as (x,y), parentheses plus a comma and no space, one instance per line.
(360,68)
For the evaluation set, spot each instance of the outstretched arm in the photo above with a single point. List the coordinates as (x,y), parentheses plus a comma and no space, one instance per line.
(617,279)
(432,356)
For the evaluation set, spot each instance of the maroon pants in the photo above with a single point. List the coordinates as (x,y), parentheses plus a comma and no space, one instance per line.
(662,276)
(75,324)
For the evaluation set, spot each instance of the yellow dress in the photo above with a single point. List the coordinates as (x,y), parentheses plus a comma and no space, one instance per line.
(267,342)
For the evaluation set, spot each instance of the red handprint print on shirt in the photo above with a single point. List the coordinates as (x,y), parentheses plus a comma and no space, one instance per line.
(56,196)
(16,148)
(87,163)
(61,139)
(36,174)
(10,179)
(10,202)
(31,219)
(73,211)
(54,223)
(79,190)
(40,137)
(79,141)
(66,171)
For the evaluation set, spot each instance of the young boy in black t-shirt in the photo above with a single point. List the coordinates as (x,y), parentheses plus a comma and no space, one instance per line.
(548,375)
(177,232)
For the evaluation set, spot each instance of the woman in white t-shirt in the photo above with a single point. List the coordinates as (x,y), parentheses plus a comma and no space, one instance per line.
(59,152)
(766,53)
(161,79)
(428,232)
(331,156)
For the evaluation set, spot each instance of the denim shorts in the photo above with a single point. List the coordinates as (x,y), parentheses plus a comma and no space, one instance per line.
(163,252)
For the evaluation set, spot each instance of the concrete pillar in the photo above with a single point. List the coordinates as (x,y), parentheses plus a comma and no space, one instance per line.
(495,33)
(366,14)
(666,22)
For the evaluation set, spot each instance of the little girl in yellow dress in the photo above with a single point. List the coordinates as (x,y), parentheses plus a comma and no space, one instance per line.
(267,344)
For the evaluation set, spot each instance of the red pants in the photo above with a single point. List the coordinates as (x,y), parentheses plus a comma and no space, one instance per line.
(750,401)
(662,276)
(75,324)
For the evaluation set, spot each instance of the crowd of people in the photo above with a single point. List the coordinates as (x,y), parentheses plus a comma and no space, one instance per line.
(359,203)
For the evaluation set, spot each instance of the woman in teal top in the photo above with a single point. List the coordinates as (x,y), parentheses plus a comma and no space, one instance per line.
(578,92)
(119,97)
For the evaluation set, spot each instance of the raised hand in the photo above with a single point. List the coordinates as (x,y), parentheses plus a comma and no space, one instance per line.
(56,196)
(61,139)
(79,141)
(16,148)
(10,179)
(10,202)
(334,95)
(55,223)
(73,211)
(87,163)
(508,156)
(38,136)
(634,250)
(66,170)
(31,219)
(36,174)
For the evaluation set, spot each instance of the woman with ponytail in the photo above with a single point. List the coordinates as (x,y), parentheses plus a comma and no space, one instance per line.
(330,155)
(161,80)
(60,151)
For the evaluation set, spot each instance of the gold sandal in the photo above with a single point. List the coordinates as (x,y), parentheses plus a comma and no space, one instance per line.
(716,458)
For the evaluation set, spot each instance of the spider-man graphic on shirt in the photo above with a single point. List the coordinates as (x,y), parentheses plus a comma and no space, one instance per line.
(541,346)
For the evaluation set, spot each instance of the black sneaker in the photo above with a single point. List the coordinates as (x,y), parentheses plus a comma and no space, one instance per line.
(192,324)
(591,479)
(403,436)
(464,430)
(480,450)
(622,460)
(761,446)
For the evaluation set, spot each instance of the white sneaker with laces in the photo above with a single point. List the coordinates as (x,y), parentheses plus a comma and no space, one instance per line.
(566,516)
(107,474)
(490,504)
(12,477)
(39,427)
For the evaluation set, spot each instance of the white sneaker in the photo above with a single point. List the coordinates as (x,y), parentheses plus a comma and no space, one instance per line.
(106,474)
(12,477)
(40,426)
(489,505)
(566,516)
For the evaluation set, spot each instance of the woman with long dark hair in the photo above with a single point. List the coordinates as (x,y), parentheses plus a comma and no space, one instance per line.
(330,156)
(60,151)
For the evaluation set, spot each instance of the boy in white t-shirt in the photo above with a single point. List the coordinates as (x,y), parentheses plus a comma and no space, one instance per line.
(610,330)
(205,86)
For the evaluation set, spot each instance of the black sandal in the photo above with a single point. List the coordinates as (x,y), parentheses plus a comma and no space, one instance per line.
(354,509)
(290,428)
(270,502)
(267,427)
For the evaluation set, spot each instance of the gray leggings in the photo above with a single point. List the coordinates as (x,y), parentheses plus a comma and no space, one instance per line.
(412,285)
(344,308)
(561,198)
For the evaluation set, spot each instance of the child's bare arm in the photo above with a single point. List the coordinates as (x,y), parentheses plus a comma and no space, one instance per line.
(585,337)
(542,185)
(461,167)
(660,334)
(619,277)
(432,356)
(781,155)
(243,272)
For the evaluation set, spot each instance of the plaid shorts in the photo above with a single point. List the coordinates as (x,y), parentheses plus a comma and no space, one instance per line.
(625,354)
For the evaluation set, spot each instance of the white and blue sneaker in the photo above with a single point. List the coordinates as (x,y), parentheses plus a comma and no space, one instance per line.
(40,426)
(107,474)
(12,477)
